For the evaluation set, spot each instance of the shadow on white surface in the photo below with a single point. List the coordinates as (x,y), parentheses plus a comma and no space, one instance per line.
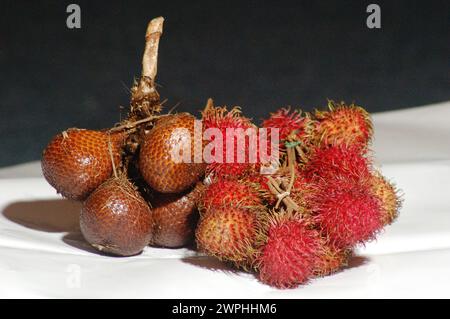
(209,263)
(58,215)
(52,216)
(356,261)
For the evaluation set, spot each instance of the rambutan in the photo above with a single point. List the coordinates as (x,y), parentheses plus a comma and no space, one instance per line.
(227,233)
(302,192)
(292,125)
(331,260)
(288,257)
(343,125)
(389,198)
(235,193)
(259,183)
(346,212)
(228,164)
(337,160)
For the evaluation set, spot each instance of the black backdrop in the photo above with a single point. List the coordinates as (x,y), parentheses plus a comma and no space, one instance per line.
(256,54)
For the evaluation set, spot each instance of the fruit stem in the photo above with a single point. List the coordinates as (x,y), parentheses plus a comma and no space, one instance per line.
(150,58)
(291,165)
(144,97)
(280,193)
(136,123)
(301,153)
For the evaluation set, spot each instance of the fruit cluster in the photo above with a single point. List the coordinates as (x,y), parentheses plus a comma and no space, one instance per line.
(300,220)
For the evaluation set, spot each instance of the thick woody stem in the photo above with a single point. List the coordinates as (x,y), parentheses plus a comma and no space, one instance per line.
(150,58)
(144,97)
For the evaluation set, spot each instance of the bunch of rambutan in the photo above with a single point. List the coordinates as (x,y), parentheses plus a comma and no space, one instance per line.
(303,219)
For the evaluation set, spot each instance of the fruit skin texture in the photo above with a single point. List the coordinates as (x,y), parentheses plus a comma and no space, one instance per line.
(291,124)
(388,196)
(289,256)
(156,164)
(346,212)
(77,161)
(116,219)
(331,260)
(343,125)
(231,193)
(260,183)
(227,233)
(341,160)
(222,119)
(175,217)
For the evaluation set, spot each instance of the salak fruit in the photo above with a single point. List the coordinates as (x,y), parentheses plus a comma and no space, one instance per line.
(162,161)
(175,217)
(116,219)
(77,161)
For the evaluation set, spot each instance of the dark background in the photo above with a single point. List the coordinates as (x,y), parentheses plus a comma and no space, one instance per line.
(256,54)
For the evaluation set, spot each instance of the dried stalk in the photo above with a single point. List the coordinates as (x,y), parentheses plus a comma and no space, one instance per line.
(150,58)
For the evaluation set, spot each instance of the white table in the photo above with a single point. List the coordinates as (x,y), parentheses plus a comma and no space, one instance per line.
(42,253)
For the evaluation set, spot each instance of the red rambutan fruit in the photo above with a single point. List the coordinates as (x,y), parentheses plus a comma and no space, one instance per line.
(334,161)
(227,233)
(223,120)
(346,211)
(302,192)
(343,125)
(389,198)
(260,183)
(291,124)
(288,257)
(235,193)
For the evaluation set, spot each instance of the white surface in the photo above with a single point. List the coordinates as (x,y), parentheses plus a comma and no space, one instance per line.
(42,253)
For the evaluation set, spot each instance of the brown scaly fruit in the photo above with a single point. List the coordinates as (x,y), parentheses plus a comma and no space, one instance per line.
(116,219)
(158,167)
(390,201)
(343,125)
(77,161)
(227,233)
(175,216)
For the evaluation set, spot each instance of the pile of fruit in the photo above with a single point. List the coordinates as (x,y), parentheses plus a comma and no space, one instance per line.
(287,220)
